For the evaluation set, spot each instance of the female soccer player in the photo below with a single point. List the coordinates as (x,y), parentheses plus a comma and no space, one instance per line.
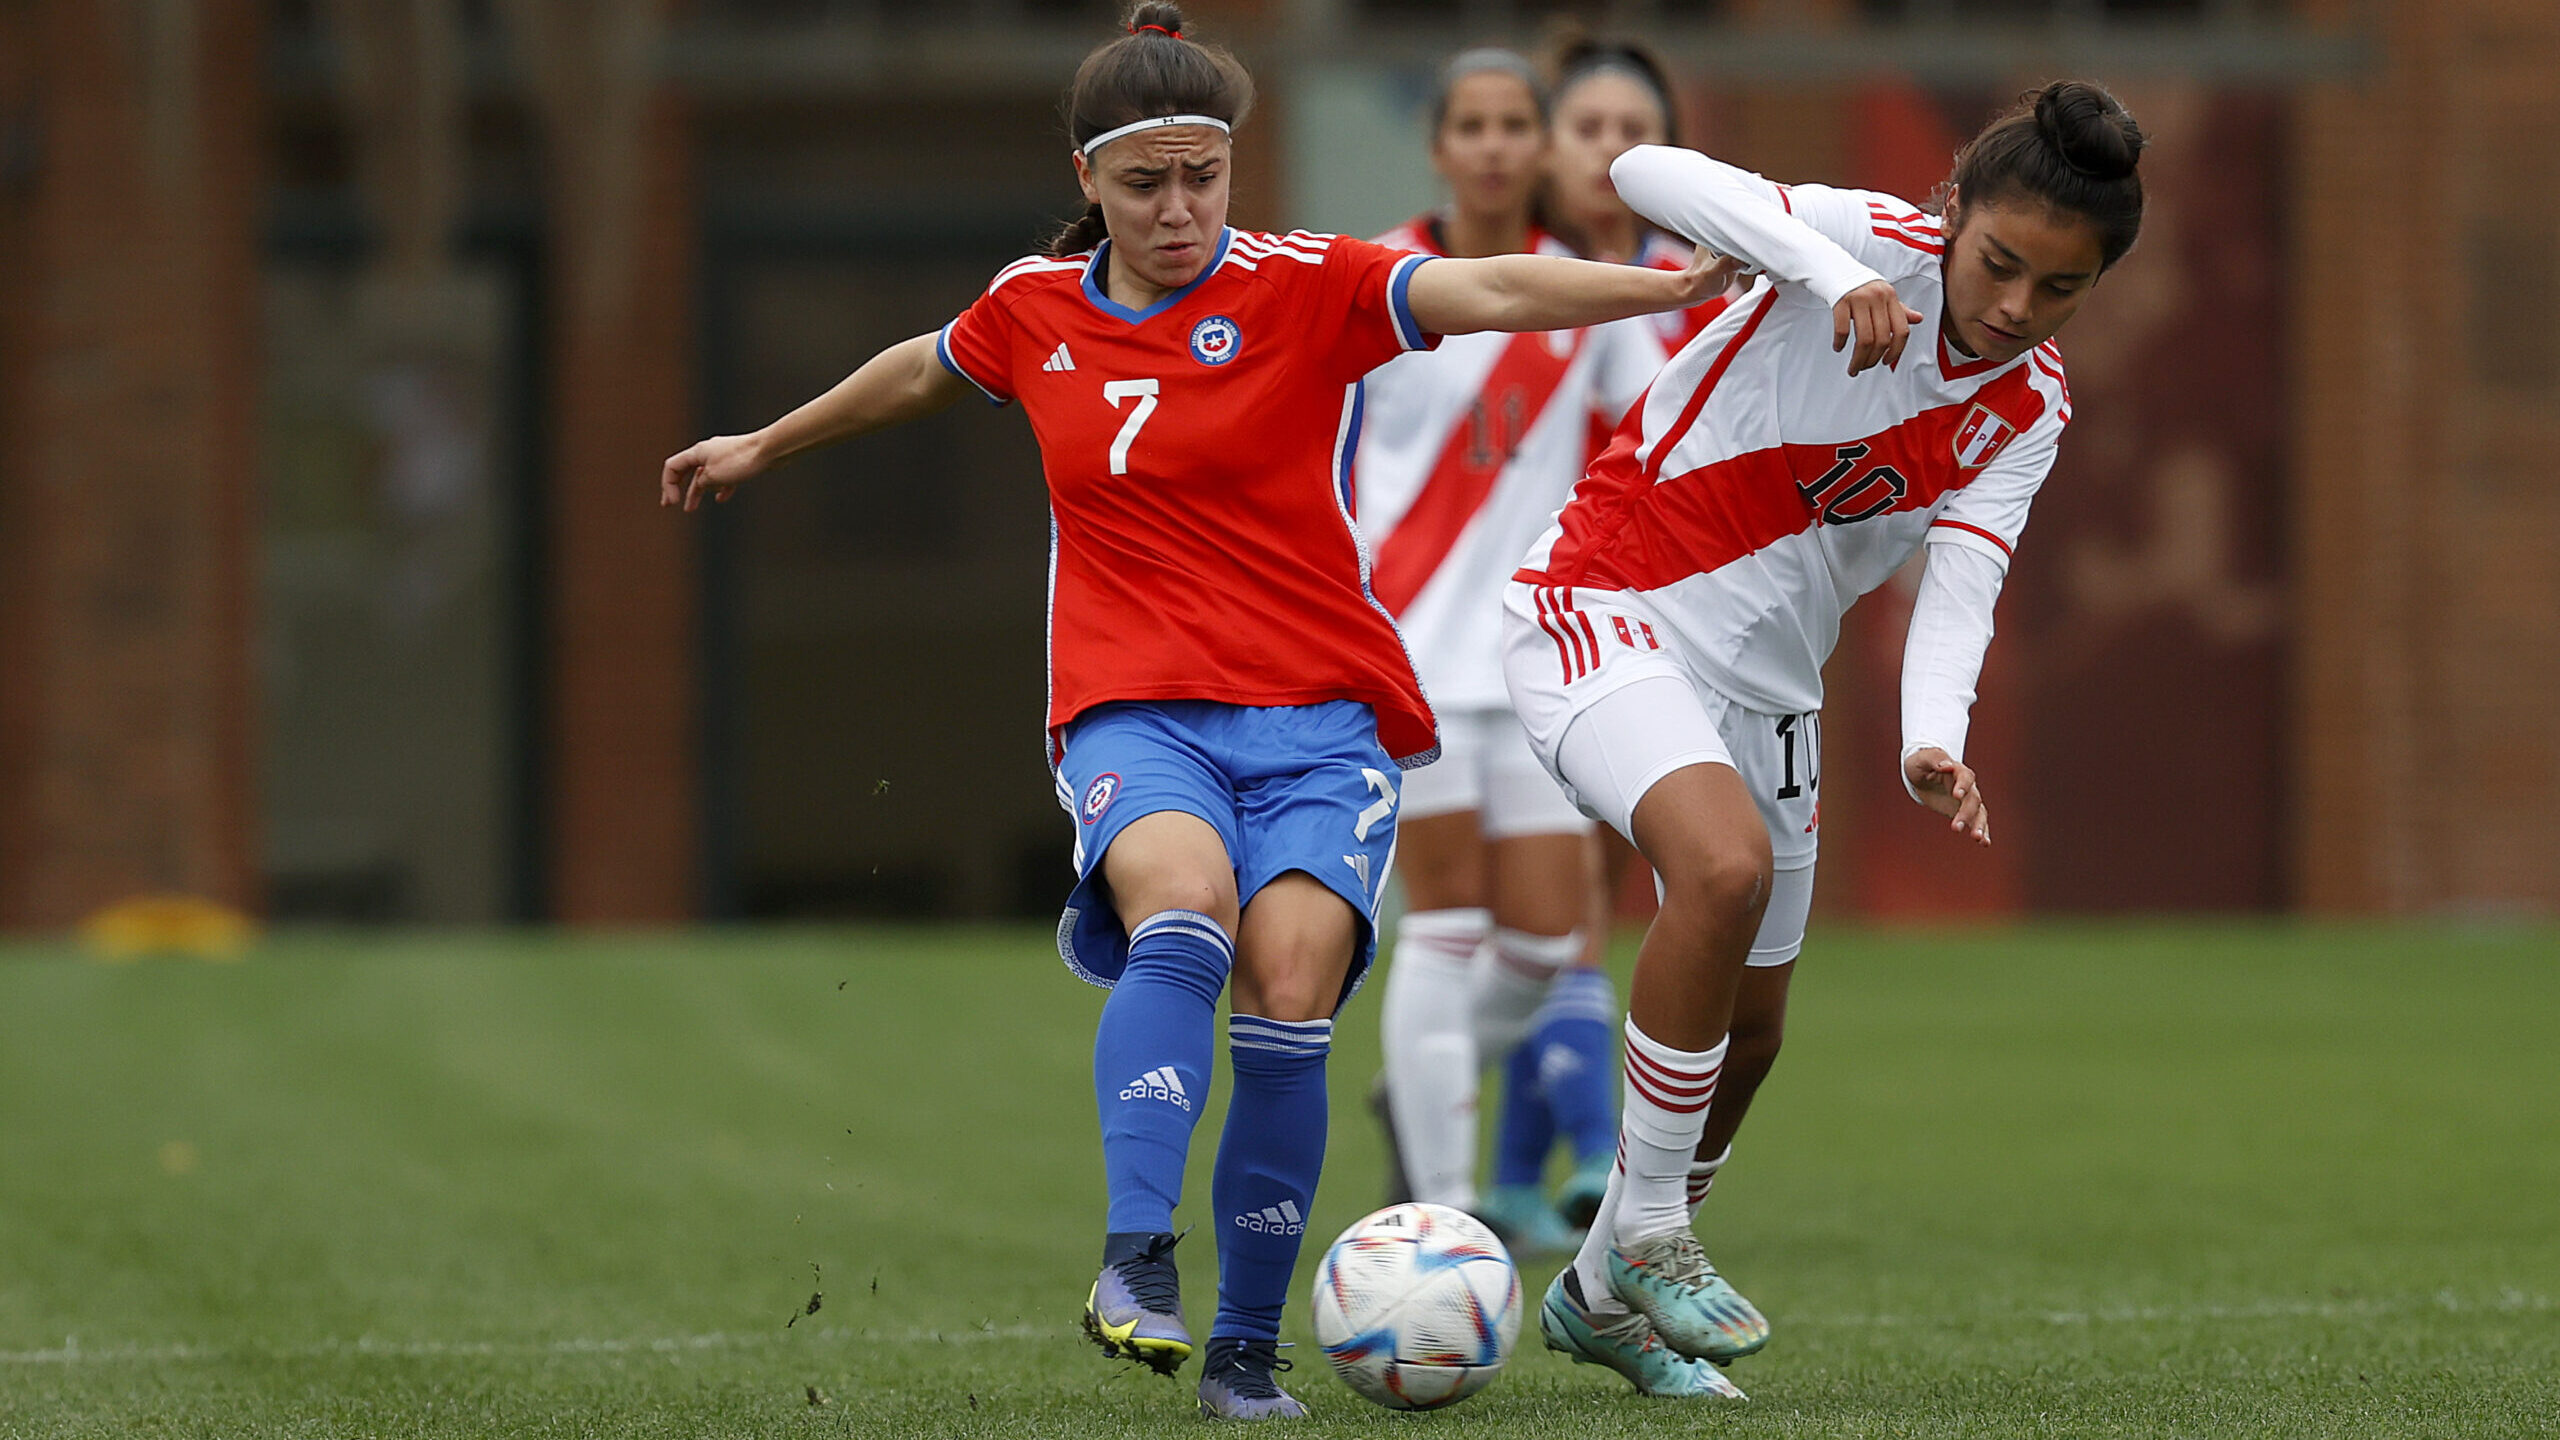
(1609,96)
(1228,704)
(1664,640)
(1466,453)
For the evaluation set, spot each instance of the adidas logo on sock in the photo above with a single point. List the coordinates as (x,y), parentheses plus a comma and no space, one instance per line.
(1059,359)
(1280,1219)
(1158,1084)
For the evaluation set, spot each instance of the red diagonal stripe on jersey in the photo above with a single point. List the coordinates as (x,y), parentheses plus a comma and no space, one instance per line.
(1897,237)
(1514,395)
(1705,519)
(1616,482)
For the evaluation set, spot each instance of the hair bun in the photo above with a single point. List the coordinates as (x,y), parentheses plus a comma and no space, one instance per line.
(2089,128)
(1156,15)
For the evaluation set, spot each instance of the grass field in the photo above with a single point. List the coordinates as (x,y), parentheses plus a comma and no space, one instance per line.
(2150,1181)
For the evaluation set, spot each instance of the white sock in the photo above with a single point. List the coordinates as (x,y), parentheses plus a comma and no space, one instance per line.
(1667,1095)
(1431,1056)
(1512,979)
(1702,1178)
(1668,1092)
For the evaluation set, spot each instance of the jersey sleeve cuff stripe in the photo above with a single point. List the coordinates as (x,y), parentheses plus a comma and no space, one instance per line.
(1400,303)
(1972,537)
(942,352)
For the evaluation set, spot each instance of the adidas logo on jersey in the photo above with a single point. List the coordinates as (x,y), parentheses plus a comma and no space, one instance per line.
(1280,1219)
(1060,360)
(1158,1084)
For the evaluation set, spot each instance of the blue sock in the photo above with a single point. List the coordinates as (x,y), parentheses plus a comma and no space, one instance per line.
(1151,1063)
(1268,1161)
(1575,1039)
(1528,1122)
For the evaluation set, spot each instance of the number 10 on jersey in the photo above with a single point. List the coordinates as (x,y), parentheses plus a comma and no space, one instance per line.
(1115,391)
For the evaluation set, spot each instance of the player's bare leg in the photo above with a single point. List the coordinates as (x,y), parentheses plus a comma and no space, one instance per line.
(1171,861)
(1704,837)
(1759,1028)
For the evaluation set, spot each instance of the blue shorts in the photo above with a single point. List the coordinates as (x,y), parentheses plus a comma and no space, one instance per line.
(1288,787)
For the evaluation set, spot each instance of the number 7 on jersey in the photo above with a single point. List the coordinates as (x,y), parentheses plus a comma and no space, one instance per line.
(1115,391)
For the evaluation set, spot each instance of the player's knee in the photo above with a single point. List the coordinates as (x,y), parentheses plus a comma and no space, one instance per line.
(1729,882)
(1287,987)
(1173,888)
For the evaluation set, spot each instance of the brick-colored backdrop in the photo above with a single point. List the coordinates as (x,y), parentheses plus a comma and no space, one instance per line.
(129,163)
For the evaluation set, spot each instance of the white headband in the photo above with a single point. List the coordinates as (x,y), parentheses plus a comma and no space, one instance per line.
(1158,123)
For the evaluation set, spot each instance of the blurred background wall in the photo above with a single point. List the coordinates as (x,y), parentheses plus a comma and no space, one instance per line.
(340,340)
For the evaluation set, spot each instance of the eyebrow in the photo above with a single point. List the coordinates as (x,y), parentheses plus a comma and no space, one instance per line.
(1156,172)
(2014,258)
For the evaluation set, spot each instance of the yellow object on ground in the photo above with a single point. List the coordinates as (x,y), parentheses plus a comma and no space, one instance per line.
(168,925)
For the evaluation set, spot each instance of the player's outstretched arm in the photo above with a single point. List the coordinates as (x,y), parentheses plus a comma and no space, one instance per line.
(1550,292)
(904,382)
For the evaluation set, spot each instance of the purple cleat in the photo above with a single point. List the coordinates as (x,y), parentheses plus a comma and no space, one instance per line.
(1135,1309)
(1236,1383)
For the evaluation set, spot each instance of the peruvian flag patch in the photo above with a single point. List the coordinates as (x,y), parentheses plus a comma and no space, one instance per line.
(1981,437)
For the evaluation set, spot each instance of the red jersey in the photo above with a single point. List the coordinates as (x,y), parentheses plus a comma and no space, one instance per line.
(1198,456)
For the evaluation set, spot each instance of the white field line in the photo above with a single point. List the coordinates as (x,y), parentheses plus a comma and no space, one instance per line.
(2446,1301)
(72,1352)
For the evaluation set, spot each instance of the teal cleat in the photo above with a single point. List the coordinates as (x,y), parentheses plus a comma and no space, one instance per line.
(1626,1344)
(1667,1280)
(1527,1224)
(1579,1201)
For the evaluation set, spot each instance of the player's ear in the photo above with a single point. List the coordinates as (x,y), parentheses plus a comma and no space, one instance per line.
(1084,178)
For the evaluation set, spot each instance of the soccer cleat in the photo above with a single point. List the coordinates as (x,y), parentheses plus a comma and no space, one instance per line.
(1696,1312)
(1135,1309)
(1381,1105)
(1627,1345)
(1527,1224)
(1578,1202)
(1236,1383)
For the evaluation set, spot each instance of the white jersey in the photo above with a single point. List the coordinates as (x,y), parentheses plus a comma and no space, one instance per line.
(1465,454)
(1761,489)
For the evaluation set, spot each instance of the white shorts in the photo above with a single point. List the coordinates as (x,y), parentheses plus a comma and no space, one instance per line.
(1610,725)
(1486,765)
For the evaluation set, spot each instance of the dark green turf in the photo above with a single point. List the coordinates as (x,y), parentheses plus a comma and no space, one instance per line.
(2168,1180)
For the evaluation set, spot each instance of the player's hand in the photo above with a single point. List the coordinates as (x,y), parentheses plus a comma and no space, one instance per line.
(1948,786)
(1878,319)
(712,467)
(1708,276)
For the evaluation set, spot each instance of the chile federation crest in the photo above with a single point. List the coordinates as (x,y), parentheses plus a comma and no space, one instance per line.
(1215,340)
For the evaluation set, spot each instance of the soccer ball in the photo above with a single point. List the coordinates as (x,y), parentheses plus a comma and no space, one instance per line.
(1417,1306)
